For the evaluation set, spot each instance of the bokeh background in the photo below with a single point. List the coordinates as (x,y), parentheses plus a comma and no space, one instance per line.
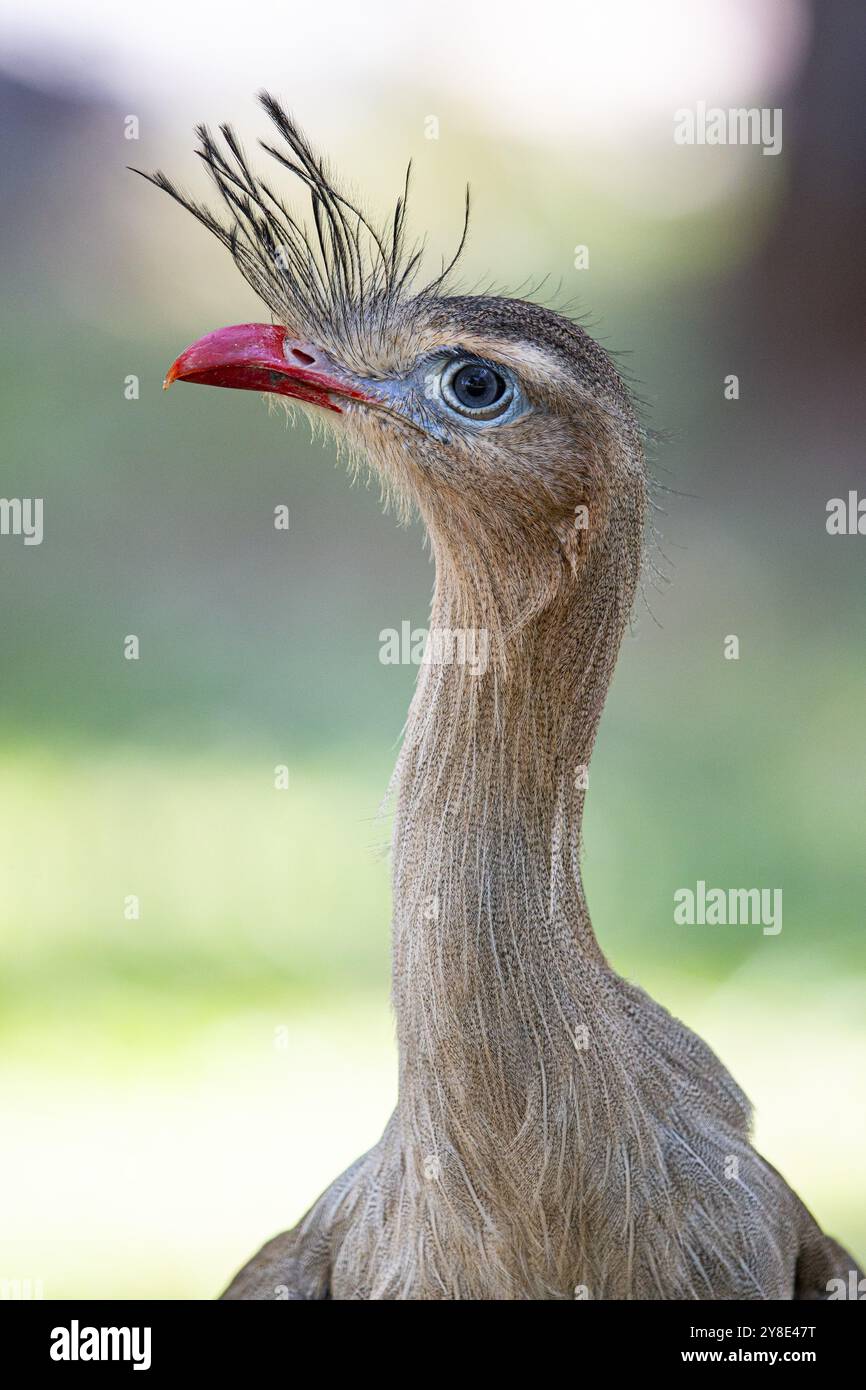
(174,1090)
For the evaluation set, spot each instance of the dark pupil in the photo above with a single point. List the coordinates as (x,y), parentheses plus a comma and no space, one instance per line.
(477,386)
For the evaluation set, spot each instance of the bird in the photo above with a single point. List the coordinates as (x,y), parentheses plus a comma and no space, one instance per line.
(557,1133)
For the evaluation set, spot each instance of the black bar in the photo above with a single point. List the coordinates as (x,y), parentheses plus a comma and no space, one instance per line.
(244,1340)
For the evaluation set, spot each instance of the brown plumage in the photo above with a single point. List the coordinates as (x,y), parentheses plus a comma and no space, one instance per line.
(557,1132)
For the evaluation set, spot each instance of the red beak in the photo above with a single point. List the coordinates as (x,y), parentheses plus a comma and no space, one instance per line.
(259,357)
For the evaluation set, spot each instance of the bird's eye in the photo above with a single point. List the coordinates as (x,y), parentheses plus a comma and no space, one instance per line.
(477,386)
(476,390)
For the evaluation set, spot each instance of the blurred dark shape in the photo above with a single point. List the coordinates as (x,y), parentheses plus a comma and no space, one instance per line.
(45,134)
(807,288)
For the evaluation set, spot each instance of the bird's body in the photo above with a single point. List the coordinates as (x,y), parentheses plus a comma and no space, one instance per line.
(557,1133)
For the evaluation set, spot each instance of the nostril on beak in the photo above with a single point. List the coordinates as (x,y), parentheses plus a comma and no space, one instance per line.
(304,359)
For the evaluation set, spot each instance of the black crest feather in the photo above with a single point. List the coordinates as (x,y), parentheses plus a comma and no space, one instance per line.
(337,280)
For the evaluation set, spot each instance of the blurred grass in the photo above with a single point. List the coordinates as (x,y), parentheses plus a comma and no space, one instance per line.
(179,1085)
(246,891)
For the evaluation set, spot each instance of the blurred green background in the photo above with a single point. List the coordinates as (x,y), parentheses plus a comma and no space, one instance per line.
(177,1088)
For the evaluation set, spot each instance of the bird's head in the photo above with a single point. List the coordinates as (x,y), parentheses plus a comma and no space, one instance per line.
(504,423)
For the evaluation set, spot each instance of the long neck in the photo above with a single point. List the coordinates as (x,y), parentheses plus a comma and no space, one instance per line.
(491,927)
